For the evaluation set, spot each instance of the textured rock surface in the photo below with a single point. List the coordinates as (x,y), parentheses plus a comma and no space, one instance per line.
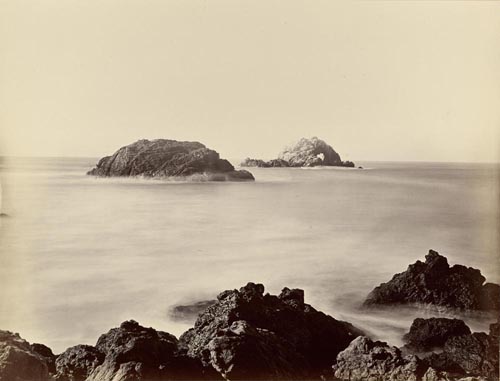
(426,334)
(367,360)
(435,282)
(18,360)
(46,353)
(242,352)
(76,363)
(305,153)
(244,326)
(468,355)
(168,158)
(133,352)
(477,354)
(310,153)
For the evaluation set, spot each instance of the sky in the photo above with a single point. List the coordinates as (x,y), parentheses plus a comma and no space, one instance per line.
(377,80)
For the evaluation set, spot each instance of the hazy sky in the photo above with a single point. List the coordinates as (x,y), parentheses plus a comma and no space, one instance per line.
(391,80)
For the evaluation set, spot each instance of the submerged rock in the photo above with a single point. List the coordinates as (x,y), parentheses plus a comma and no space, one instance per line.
(426,334)
(249,335)
(19,361)
(264,164)
(168,158)
(190,312)
(305,153)
(367,360)
(435,282)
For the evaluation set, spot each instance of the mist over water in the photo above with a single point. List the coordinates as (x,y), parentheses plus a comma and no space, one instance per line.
(78,255)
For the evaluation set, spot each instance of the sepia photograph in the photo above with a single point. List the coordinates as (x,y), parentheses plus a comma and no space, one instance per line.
(247,190)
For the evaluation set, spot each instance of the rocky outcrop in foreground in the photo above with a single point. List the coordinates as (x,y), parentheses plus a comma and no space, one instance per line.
(305,153)
(251,335)
(435,282)
(245,334)
(21,361)
(365,359)
(168,158)
(467,356)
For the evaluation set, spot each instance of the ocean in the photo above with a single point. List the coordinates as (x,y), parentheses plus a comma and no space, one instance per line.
(79,255)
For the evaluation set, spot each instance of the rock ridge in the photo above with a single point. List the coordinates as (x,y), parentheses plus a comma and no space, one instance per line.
(163,158)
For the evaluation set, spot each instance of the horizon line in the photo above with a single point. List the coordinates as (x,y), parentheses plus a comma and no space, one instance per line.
(354,160)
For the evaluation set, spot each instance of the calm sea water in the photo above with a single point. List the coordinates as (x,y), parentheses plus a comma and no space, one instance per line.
(79,255)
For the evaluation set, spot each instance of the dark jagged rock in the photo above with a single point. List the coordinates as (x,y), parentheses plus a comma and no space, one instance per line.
(249,319)
(435,282)
(305,153)
(440,362)
(466,355)
(77,363)
(490,297)
(365,359)
(133,352)
(242,352)
(191,311)
(168,158)
(18,360)
(47,354)
(426,334)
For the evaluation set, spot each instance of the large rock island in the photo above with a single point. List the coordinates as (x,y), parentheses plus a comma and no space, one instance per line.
(168,158)
(305,153)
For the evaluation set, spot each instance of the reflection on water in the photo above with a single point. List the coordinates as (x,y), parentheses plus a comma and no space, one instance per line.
(79,254)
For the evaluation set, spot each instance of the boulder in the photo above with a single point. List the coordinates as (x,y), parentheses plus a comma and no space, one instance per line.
(435,282)
(133,352)
(286,336)
(168,158)
(367,360)
(18,360)
(77,363)
(426,334)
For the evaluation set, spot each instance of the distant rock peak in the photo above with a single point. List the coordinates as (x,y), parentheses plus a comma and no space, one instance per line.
(305,153)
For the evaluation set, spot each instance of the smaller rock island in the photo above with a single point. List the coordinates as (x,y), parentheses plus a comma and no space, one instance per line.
(305,153)
(162,158)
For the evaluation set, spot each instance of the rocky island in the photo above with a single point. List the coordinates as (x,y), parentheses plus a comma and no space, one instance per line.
(305,153)
(247,334)
(162,158)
